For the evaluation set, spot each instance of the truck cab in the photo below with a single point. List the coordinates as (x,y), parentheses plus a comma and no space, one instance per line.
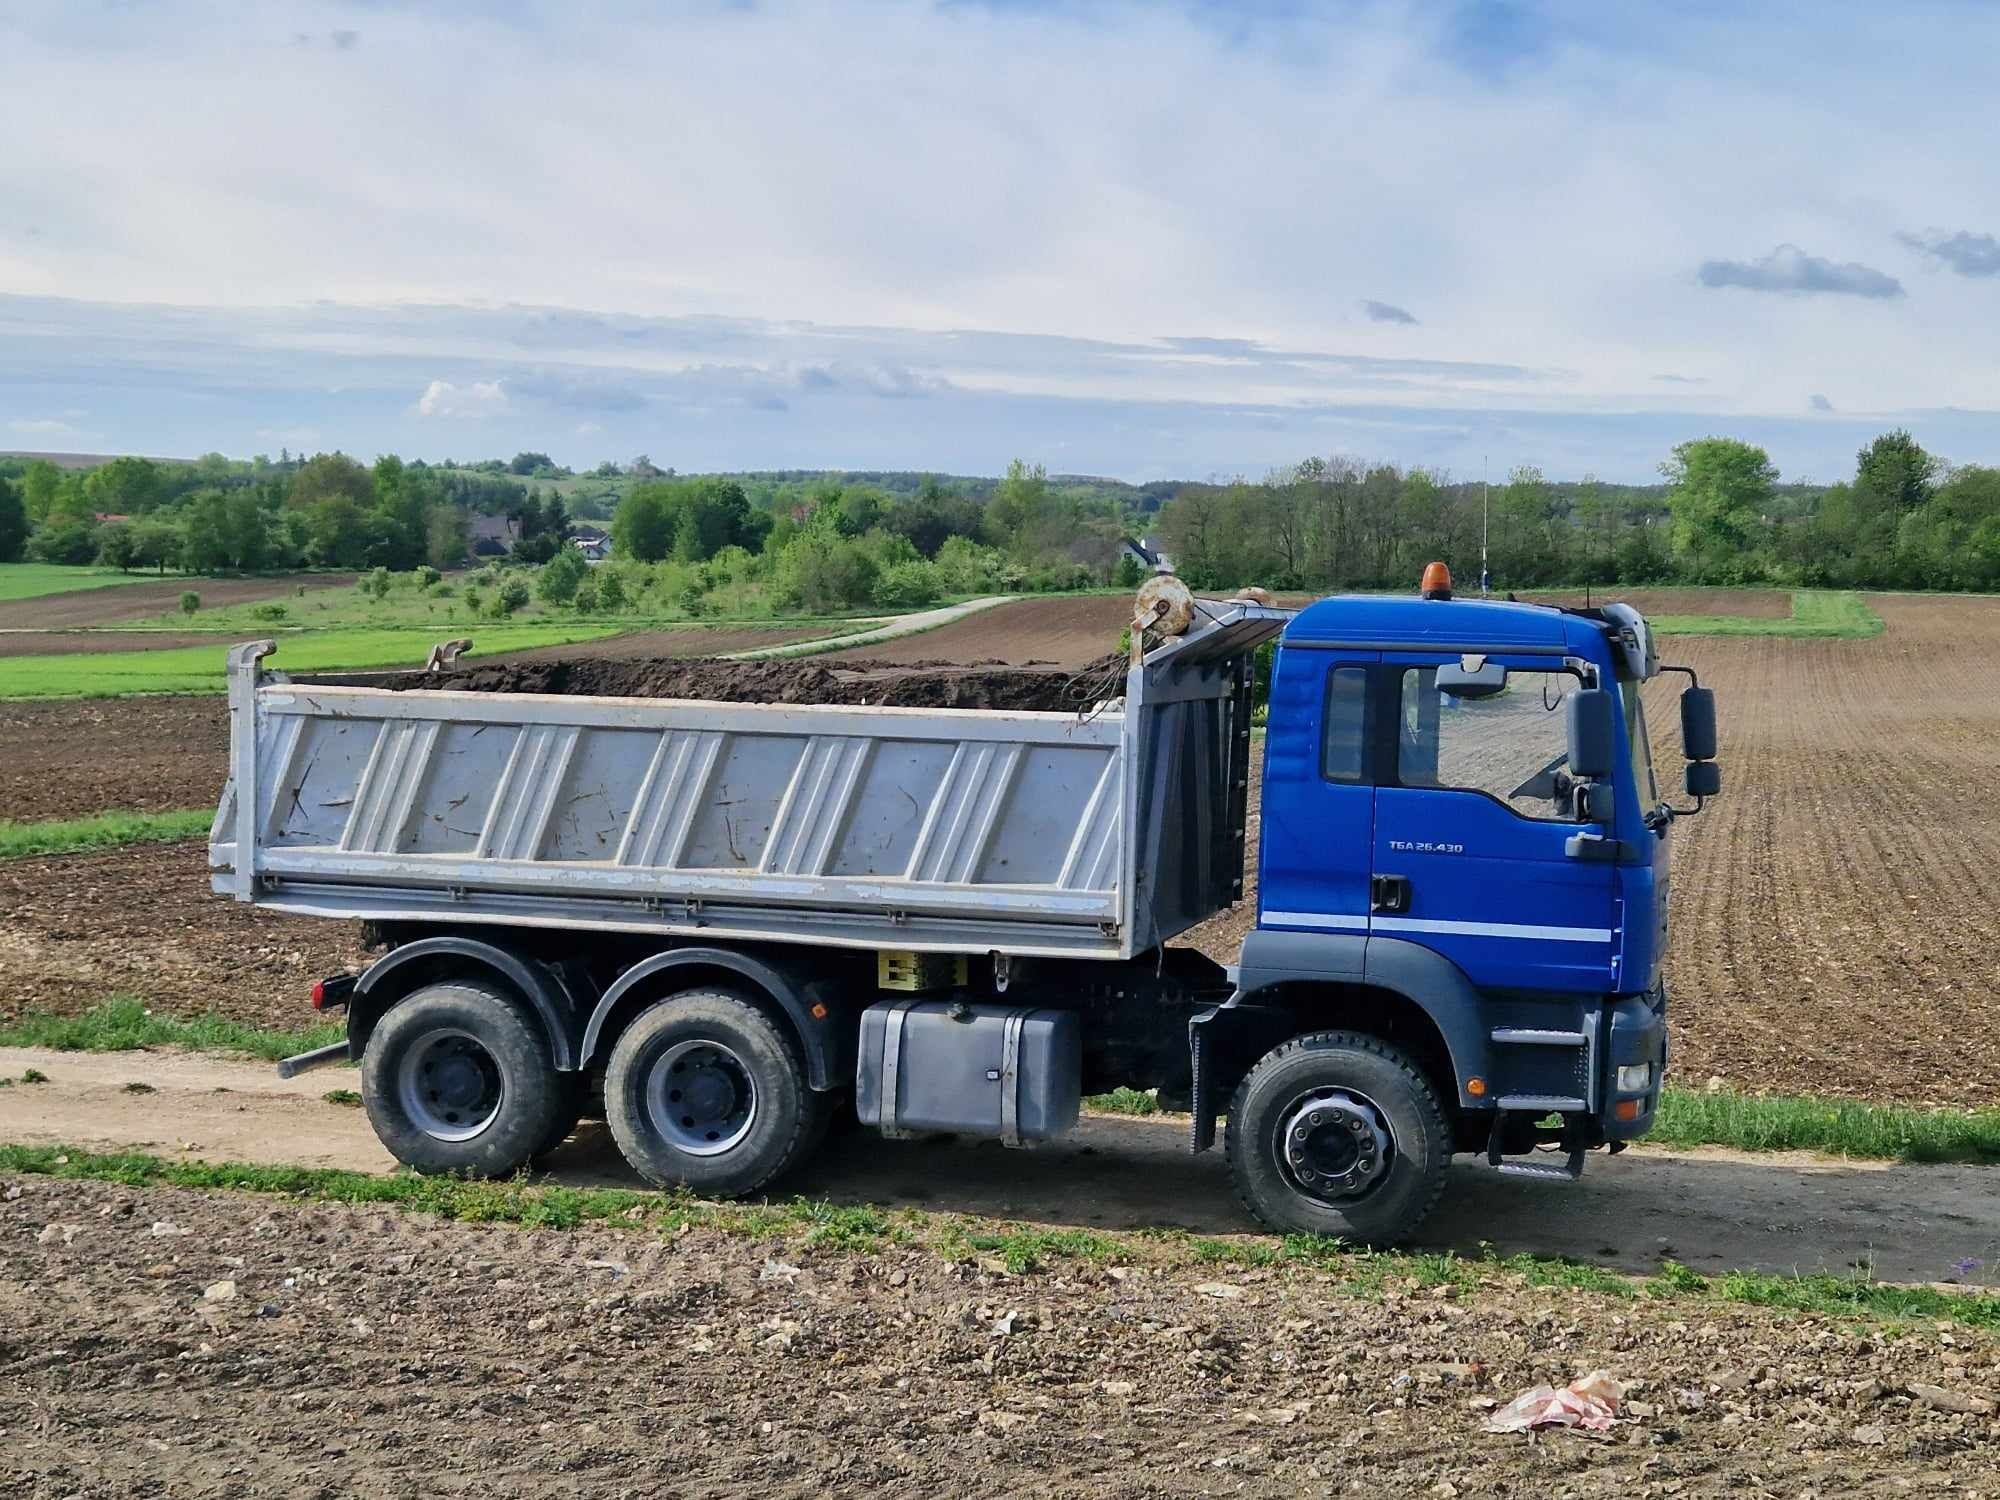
(1463,873)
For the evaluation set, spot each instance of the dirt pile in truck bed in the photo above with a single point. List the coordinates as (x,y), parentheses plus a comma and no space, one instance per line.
(989,685)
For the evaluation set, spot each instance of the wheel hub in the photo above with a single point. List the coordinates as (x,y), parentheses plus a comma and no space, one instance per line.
(449,1085)
(701,1097)
(1333,1145)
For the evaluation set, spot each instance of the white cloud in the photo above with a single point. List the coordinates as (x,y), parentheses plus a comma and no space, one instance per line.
(43,427)
(480,398)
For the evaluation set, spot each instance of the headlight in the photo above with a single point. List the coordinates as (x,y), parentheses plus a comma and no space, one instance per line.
(1634,1077)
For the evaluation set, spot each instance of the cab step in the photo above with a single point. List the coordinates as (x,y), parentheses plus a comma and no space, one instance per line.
(1567,1170)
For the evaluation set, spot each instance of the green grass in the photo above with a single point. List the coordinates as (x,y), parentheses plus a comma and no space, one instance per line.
(1020,1249)
(33,580)
(199,669)
(103,831)
(124,1024)
(1838,1126)
(1818,613)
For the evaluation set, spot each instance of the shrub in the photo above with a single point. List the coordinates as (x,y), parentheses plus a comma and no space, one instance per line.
(190,602)
(376,584)
(475,601)
(610,589)
(562,576)
(819,571)
(269,612)
(907,585)
(428,577)
(965,567)
(513,595)
(585,600)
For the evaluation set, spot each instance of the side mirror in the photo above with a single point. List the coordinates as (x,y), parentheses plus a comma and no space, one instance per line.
(1593,733)
(1704,778)
(1483,681)
(1698,723)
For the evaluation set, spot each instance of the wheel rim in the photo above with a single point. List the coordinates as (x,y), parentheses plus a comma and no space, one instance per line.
(701,1098)
(1334,1145)
(450,1085)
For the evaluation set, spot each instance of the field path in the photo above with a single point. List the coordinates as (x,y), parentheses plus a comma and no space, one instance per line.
(1713,1210)
(895,629)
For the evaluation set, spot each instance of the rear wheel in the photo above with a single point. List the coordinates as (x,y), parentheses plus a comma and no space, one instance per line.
(1338,1133)
(458,1078)
(705,1091)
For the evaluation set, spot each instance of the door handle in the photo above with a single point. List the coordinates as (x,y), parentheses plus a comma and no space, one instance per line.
(1388,893)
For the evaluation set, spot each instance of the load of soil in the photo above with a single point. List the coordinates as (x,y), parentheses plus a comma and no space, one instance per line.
(1038,687)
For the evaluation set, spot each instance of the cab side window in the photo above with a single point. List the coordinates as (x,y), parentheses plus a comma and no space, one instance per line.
(1512,747)
(1343,755)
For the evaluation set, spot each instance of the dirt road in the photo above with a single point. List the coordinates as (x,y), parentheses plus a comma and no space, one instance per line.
(167,1342)
(1715,1211)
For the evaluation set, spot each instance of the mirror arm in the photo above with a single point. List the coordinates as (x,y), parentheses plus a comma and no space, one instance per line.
(1687,672)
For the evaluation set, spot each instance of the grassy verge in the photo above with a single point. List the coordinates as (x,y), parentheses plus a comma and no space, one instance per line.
(1838,1127)
(103,831)
(199,669)
(1017,1249)
(35,580)
(124,1025)
(1836,614)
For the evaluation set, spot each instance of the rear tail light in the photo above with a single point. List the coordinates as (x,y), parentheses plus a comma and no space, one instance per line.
(332,992)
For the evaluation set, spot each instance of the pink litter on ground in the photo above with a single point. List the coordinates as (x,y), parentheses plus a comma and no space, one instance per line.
(1590,1402)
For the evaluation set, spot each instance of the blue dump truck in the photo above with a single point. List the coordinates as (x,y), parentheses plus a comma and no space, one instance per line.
(725,926)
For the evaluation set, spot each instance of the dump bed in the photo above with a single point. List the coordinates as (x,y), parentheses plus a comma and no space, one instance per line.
(1094,834)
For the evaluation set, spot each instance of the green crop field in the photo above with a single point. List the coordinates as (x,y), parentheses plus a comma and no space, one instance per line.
(32,580)
(199,669)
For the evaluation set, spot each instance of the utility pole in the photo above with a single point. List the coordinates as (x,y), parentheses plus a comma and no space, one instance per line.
(1485,507)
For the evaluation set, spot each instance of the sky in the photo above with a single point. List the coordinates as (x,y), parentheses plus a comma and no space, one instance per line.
(1193,240)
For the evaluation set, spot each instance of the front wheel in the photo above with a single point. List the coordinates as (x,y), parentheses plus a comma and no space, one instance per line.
(458,1078)
(1338,1133)
(704,1091)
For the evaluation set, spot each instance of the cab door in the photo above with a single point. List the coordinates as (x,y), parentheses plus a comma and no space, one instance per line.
(1318,812)
(1472,820)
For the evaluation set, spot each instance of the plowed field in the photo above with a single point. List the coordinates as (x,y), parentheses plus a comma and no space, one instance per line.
(1835,910)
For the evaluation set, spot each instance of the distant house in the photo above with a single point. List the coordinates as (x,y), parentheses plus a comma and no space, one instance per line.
(593,542)
(106,518)
(492,536)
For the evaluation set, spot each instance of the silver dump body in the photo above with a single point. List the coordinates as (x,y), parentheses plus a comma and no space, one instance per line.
(1092,835)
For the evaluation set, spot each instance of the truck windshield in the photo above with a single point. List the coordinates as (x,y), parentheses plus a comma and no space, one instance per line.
(1639,747)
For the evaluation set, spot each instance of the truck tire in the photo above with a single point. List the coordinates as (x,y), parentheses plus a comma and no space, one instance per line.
(704,1091)
(1338,1133)
(459,1078)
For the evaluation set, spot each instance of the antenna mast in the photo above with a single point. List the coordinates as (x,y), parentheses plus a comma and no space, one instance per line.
(1485,497)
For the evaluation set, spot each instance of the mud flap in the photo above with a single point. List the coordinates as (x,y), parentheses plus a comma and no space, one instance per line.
(1200,1109)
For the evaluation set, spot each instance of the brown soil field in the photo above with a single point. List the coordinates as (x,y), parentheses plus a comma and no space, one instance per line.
(1835,909)
(716,640)
(75,642)
(77,929)
(126,602)
(68,759)
(164,1341)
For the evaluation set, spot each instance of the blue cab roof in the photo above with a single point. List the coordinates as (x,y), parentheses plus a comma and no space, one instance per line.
(1389,621)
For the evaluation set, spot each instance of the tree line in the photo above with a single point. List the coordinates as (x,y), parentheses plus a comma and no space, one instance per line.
(817,542)
(1906,519)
